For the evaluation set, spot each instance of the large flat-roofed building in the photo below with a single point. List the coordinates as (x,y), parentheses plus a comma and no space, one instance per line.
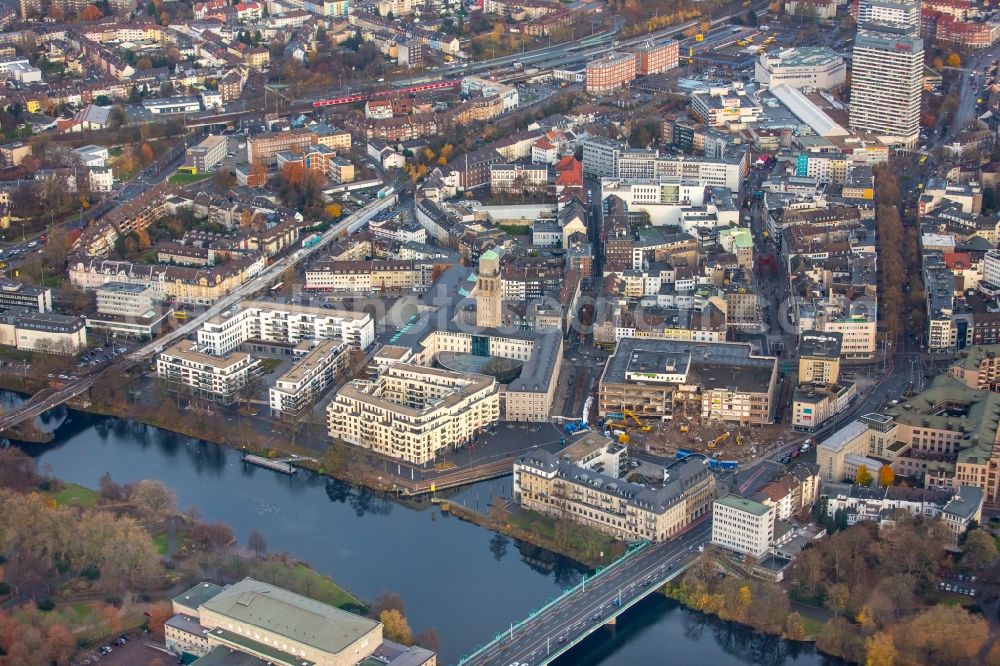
(124,298)
(530,395)
(264,148)
(412,413)
(653,58)
(45,332)
(610,72)
(801,67)
(15,294)
(186,366)
(204,156)
(742,525)
(574,489)
(723,381)
(284,322)
(314,370)
(267,624)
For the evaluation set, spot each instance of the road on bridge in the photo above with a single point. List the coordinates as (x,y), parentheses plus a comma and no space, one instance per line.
(555,629)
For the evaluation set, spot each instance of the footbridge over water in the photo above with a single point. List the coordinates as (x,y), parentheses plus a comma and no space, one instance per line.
(565,621)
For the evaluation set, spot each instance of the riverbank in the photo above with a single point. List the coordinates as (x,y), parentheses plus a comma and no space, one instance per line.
(588,547)
(339,461)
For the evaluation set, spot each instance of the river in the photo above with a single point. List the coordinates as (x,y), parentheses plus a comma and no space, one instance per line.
(466,582)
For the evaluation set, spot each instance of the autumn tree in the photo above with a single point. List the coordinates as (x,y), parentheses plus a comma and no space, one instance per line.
(795,628)
(146,153)
(938,64)
(334,210)
(954,60)
(943,635)
(91,13)
(158,614)
(979,550)
(258,173)
(395,627)
(863,477)
(152,499)
(886,476)
(880,650)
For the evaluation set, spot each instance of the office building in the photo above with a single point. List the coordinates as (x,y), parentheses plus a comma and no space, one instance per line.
(742,525)
(264,148)
(124,298)
(719,380)
(886,84)
(653,58)
(186,367)
(413,413)
(819,357)
(15,294)
(585,488)
(610,73)
(204,156)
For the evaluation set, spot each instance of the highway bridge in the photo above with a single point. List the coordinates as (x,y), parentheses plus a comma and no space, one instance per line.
(565,621)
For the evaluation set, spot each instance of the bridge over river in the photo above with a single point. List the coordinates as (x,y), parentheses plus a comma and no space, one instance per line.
(555,628)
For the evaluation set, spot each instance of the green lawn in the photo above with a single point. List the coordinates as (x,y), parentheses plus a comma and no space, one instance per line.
(74,495)
(269,365)
(813,627)
(322,588)
(161,543)
(181,178)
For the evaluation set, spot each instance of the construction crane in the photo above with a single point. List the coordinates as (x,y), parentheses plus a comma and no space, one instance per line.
(718,440)
(629,413)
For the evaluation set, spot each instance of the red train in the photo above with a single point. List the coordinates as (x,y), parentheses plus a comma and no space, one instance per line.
(361,97)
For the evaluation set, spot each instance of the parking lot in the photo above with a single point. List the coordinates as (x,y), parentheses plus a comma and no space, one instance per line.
(133,653)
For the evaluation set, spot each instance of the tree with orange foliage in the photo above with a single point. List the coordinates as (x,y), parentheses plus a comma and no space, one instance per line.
(334,210)
(147,154)
(158,614)
(91,13)
(293,173)
(258,174)
(886,476)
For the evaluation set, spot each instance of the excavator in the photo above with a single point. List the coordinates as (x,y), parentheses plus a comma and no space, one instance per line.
(739,439)
(718,440)
(642,426)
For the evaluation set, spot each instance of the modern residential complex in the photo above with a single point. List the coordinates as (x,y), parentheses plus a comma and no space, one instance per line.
(414,413)
(187,367)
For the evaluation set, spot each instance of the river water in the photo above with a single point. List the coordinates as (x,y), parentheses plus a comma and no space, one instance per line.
(466,582)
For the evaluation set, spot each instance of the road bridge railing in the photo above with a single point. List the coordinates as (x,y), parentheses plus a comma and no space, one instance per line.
(631,552)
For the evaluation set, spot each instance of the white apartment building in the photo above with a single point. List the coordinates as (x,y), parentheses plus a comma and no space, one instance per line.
(124,299)
(600,157)
(886,84)
(726,171)
(742,525)
(902,13)
(412,413)
(205,375)
(806,66)
(313,371)
(284,322)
